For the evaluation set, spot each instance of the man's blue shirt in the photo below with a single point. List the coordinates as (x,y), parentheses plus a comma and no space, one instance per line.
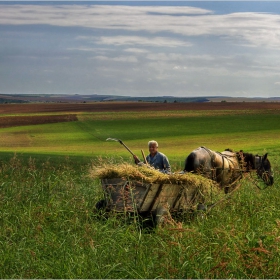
(159,161)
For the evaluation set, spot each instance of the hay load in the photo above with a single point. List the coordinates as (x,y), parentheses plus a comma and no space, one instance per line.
(150,175)
(150,186)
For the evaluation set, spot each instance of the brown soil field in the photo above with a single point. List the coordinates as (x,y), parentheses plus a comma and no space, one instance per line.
(31,120)
(131,106)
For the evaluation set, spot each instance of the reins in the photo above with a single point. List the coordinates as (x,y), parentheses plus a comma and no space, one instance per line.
(260,163)
(254,182)
(255,169)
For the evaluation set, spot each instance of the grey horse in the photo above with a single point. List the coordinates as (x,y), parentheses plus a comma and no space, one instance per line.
(228,167)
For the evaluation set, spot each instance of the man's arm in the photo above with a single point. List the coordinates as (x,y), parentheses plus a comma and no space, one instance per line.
(166,164)
(136,159)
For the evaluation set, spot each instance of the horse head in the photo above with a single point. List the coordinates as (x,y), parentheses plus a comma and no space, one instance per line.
(264,170)
(259,163)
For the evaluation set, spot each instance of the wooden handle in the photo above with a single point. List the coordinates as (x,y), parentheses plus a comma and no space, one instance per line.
(144,156)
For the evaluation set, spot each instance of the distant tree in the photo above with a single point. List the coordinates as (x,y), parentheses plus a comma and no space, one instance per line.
(165,101)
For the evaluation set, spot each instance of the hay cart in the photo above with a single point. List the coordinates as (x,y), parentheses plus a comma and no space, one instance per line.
(145,192)
(160,201)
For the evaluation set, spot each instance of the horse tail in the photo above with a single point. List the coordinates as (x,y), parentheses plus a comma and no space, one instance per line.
(189,163)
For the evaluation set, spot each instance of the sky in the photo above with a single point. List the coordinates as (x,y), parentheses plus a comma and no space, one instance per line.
(130,48)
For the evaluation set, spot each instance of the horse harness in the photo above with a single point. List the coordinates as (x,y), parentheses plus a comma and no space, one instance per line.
(224,157)
(243,167)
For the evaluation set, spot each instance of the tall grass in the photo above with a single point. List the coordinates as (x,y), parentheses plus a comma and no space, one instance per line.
(49,228)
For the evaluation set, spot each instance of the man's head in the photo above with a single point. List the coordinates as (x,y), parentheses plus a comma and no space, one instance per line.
(153,147)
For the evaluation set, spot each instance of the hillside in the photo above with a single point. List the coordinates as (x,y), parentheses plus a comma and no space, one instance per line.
(77,98)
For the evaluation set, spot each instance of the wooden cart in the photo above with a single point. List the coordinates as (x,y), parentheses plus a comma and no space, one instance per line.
(156,200)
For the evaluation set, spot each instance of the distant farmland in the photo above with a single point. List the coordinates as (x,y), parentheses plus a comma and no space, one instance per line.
(81,129)
(131,107)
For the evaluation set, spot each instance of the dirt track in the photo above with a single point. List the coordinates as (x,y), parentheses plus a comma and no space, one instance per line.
(132,106)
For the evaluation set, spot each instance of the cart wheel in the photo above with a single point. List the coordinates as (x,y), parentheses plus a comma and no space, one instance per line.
(161,216)
(201,207)
(101,204)
(201,211)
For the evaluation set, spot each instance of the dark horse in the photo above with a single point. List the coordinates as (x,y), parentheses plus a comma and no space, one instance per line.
(228,167)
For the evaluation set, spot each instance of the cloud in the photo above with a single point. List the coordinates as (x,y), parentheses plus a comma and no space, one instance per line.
(118,59)
(97,16)
(136,50)
(251,29)
(179,57)
(141,41)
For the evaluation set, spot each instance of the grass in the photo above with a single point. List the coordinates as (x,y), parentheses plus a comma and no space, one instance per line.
(49,227)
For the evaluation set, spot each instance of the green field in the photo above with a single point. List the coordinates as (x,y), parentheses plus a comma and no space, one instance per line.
(49,227)
(178,133)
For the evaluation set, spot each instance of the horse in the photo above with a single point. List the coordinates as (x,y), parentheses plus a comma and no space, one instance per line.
(228,167)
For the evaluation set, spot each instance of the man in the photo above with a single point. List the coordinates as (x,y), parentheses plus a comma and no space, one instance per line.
(157,159)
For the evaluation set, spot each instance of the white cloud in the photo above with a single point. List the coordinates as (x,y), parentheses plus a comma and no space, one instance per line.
(98,16)
(136,50)
(179,57)
(253,29)
(118,59)
(141,41)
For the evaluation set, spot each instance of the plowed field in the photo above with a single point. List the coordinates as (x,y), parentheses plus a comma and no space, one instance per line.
(31,120)
(132,106)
